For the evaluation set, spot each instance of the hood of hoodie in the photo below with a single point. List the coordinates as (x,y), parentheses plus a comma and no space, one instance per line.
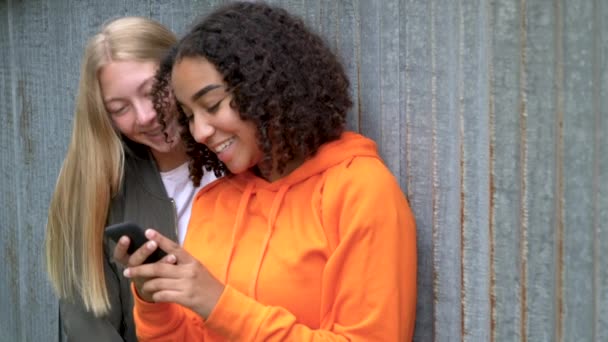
(346,148)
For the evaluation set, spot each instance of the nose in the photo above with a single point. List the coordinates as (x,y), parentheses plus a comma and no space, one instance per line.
(144,112)
(201,129)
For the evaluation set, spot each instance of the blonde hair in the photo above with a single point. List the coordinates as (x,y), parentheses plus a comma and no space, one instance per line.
(93,167)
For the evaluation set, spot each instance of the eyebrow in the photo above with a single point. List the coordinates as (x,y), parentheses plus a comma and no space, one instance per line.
(203,91)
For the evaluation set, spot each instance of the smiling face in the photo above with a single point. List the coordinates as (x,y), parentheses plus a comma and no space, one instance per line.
(200,91)
(125,88)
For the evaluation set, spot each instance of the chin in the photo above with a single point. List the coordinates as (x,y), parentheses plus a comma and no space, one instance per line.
(236,170)
(165,148)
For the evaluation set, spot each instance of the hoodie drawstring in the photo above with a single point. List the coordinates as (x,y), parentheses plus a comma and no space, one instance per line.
(345,149)
(272,218)
(237,225)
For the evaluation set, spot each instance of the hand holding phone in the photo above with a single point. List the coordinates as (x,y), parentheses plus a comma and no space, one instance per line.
(136,234)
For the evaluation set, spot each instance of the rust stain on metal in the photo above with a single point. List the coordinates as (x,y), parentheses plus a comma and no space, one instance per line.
(559,159)
(491,184)
(24,122)
(492,191)
(461,52)
(523,114)
(10,256)
(463,331)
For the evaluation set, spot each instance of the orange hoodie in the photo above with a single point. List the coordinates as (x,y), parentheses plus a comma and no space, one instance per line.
(327,253)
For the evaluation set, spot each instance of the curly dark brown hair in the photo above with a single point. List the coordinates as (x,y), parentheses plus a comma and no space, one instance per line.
(283,77)
(201,158)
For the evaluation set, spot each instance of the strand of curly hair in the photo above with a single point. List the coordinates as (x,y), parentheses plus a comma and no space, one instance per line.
(201,158)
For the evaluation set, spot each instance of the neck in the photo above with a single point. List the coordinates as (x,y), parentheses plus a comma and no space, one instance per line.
(167,161)
(289,167)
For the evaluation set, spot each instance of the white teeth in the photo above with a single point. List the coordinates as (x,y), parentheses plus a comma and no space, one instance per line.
(223,146)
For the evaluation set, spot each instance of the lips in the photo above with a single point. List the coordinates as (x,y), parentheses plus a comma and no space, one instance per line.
(224,145)
(153,133)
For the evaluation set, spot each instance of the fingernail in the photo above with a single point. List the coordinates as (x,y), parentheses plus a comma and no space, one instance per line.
(127,273)
(151,245)
(171,258)
(124,240)
(150,233)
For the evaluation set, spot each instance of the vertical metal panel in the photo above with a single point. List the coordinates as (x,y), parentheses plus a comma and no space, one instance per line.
(388,114)
(368,80)
(42,89)
(540,137)
(559,171)
(491,114)
(39,97)
(597,180)
(347,46)
(327,27)
(9,180)
(507,188)
(30,38)
(419,149)
(474,116)
(579,121)
(446,322)
(180,14)
(601,89)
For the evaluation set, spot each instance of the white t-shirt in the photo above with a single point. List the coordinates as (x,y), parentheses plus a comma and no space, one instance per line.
(180,189)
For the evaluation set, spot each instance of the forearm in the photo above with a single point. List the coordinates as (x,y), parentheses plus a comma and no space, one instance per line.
(241,318)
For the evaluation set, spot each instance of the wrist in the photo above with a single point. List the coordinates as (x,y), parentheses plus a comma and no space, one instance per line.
(212,298)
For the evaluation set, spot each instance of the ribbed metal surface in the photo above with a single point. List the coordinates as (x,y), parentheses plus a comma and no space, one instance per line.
(492,114)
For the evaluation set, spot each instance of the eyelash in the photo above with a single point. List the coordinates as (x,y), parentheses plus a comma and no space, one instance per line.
(118,111)
(215,107)
(212,110)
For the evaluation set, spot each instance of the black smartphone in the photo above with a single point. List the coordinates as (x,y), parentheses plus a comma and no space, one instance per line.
(136,235)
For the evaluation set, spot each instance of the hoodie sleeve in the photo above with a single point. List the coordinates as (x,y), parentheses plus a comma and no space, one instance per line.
(371,276)
(369,283)
(164,321)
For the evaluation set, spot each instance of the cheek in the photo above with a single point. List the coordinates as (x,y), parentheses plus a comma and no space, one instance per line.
(255,153)
(252,141)
(122,124)
(149,106)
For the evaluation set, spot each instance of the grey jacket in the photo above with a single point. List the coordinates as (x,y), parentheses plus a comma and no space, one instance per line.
(142,199)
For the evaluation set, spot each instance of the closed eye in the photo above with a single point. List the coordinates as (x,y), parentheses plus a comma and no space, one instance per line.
(118,111)
(216,106)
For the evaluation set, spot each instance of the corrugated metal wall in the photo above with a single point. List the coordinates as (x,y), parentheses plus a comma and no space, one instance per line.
(493,114)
